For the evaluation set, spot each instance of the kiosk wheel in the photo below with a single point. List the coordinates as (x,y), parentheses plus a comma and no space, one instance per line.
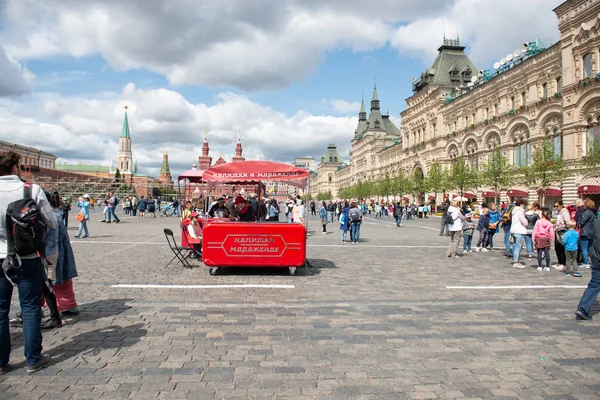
(213,271)
(292,271)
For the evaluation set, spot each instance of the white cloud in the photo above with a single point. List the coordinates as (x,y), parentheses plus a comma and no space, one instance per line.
(87,129)
(490,29)
(14,78)
(263,44)
(346,107)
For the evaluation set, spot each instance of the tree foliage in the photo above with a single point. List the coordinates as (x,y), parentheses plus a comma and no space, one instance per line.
(437,178)
(462,176)
(417,183)
(592,158)
(546,168)
(324,195)
(497,173)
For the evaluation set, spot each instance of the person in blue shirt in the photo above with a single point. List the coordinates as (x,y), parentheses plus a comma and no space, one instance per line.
(84,204)
(571,241)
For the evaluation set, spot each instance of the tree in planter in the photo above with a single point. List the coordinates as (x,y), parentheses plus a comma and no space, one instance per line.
(546,168)
(463,176)
(497,173)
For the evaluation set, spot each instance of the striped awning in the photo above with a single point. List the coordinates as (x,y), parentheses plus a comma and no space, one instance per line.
(589,186)
(518,191)
(431,197)
(552,191)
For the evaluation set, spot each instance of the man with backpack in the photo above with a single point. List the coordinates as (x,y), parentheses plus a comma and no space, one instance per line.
(444,224)
(20,256)
(113,202)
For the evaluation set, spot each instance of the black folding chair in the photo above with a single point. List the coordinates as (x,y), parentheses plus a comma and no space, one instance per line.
(177,250)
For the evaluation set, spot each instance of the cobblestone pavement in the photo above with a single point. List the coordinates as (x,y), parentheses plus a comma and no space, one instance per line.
(379,320)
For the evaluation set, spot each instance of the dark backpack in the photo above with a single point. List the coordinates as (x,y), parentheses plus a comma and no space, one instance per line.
(354,215)
(449,219)
(116,201)
(24,225)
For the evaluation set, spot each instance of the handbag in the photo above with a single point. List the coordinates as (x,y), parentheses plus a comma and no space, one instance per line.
(559,236)
(493,226)
(80,217)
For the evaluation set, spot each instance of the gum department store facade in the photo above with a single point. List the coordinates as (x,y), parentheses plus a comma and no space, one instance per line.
(551,95)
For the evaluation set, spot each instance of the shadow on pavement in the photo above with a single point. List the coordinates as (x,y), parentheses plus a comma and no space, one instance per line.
(93,342)
(101,309)
(314,267)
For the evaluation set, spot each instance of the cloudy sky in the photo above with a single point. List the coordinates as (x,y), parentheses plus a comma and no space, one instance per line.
(288,73)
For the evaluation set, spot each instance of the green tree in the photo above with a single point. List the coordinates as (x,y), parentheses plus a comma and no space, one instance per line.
(546,169)
(437,179)
(324,195)
(497,174)
(117,175)
(417,183)
(400,185)
(463,176)
(384,187)
(592,158)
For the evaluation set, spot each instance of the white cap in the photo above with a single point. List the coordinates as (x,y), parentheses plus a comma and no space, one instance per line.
(86,196)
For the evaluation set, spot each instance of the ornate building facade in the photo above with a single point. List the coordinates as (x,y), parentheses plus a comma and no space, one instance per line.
(534,94)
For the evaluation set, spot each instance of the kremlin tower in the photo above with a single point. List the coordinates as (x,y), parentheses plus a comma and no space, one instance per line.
(165,173)
(205,159)
(124,155)
(238,150)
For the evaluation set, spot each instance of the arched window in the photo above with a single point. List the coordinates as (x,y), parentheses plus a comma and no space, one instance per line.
(587,65)
(512,102)
(556,144)
(521,155)
(558,84)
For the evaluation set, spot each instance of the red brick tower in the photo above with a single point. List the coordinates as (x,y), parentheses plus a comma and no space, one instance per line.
(205,160)
(238,150)
(165,173)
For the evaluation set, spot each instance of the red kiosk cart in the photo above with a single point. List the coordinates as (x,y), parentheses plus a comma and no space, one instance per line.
(254,244)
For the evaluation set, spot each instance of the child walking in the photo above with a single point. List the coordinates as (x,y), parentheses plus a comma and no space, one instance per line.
(482,227)
(468,229)
(542,236)
(571,240)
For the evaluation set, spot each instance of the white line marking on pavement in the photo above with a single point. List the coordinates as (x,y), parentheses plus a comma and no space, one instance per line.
(515,287)
(244,286)
(308,245)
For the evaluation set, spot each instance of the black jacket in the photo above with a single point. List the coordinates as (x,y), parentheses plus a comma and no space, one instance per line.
(587,224)
(595,250)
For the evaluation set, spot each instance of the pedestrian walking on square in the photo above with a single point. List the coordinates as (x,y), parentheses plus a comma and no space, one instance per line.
(591,293)
(313,208)
(468,230)
(84,208)
(587,236)
(330,211)
(532,217)
(426,209)
(483,229)
(562,219)
(28,278)
(355,216)
(323,217)
(455,228)
(506,225)
(141,206)
(398,213)
(542,236)
(134,205)
(443,224)
(345,222)
(518,229)
(151,206)
(493,224)
(571,241)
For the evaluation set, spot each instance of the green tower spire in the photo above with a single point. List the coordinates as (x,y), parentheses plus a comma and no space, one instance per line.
(125,131)
(165,164)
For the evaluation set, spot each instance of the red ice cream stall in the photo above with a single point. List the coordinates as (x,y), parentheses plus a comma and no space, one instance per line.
(258,243)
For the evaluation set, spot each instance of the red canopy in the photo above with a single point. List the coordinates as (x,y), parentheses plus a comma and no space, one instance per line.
(490,194)
(551,192)
(193,175)
(252,172)
(467,195)
(589,186)
(431,197)
(519,191)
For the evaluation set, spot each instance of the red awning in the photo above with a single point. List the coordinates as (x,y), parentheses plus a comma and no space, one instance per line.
(431,197)
(468,195)
(490,194)
(447,195)
(194,175)
(589,186)
(518,191)
(252,172)
(405,198)
(551,192)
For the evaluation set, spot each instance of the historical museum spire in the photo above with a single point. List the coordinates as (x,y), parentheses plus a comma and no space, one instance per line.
(205,160)
(238,150)
(124,155)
